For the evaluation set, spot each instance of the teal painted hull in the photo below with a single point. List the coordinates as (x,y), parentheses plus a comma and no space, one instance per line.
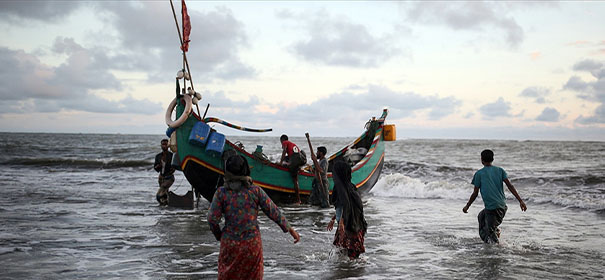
(204,169)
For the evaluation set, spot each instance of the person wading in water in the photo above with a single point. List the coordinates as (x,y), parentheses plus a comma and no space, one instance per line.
(241,253)
(349,216)
(166,176)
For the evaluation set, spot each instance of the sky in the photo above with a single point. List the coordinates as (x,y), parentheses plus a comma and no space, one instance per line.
(452,70)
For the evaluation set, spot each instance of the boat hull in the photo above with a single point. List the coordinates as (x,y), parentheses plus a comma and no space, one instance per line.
(204,170)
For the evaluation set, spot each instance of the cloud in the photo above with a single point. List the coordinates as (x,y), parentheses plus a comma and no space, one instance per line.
(126,105)
(401,104)
(534,132)
(84,69)
(32,86)
(499,108)
(549,115)
(469,16)
(147,35)
(341,111)
(590,90)
(598,116)
(339,41)
(221,100)
(539,94)
(25,76)
(576,83)
(588,65)
(235,69)
(44,11)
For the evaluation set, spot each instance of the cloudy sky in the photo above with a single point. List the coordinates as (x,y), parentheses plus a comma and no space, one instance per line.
(477,70)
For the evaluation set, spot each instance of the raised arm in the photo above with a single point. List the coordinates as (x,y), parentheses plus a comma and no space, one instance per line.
(512,189)
(471,200)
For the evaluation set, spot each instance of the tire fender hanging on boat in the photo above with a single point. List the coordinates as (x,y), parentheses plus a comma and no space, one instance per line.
(178,122)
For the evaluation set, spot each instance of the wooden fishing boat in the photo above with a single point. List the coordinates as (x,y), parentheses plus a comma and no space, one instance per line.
(203,168)
(200,151)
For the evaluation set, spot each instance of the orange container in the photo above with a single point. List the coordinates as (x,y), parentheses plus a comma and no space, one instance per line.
(390,132)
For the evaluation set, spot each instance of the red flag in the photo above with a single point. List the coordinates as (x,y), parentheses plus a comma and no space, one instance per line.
(186,27)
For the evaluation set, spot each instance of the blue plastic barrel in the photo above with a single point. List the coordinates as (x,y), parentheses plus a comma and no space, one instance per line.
(199,134)
(216,143)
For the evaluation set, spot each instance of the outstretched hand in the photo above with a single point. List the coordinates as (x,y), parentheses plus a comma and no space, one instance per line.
(294,234)
(523,206)
(465,209)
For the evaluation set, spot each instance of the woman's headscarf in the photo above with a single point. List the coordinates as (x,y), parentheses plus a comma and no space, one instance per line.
(345,195)
(237,173)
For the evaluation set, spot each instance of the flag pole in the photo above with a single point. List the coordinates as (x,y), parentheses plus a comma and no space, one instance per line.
(178,29)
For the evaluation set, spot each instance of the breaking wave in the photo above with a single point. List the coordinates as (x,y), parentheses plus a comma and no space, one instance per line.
(399,185)
(78,163)
(586,202)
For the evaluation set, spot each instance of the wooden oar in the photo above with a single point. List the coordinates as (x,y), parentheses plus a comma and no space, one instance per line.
(315,163)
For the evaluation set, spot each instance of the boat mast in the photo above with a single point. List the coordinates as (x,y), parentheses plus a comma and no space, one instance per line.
(185,61)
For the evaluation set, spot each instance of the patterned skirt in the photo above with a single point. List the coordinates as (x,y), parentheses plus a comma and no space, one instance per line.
(353,242)
(241,259)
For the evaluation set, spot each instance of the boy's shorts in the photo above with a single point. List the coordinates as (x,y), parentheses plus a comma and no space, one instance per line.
(489,220)
(295,164)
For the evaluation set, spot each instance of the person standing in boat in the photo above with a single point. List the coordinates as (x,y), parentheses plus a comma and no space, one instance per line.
(489,180)
(320,191)
(166,176)
(294,158)
(349,216)
(241,252)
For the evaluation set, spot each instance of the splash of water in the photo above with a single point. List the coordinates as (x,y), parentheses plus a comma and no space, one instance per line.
(399,185)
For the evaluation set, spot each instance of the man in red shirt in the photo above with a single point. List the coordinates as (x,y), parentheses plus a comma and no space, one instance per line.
(295,158)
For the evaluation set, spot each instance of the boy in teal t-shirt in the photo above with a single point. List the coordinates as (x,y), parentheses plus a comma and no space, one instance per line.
(489,180)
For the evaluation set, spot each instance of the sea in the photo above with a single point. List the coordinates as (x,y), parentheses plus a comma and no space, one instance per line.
(82,206)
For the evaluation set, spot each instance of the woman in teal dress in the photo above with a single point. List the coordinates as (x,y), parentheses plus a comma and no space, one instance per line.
(241,253)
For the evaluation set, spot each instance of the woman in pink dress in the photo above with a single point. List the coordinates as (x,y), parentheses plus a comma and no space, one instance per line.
(241,253)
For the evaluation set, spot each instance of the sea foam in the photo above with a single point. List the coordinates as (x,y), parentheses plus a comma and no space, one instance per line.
(399,185)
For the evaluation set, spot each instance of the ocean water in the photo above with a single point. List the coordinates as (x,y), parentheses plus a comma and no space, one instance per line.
(82,206)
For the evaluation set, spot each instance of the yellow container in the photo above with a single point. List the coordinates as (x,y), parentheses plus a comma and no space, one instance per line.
(390,133)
